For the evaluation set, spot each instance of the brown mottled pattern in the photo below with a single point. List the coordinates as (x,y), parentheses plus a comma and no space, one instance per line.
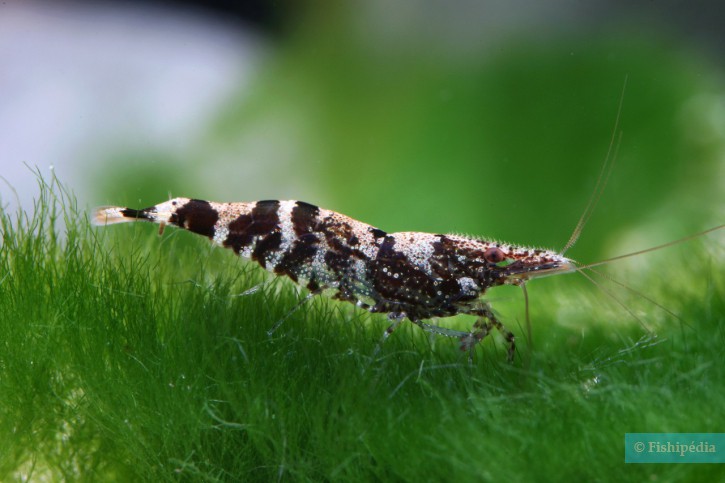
(417,274)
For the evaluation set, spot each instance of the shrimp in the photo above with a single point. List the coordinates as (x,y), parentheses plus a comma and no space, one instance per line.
(409,275)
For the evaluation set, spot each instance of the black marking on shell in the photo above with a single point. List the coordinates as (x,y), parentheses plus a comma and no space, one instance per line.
(265,247)
(138,214)
(402,286)
(197,216)
(302,252)
(338,262)
(377,232)
(261,220)
(304,218)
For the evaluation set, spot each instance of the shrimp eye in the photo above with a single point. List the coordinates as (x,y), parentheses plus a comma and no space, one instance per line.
(493,255)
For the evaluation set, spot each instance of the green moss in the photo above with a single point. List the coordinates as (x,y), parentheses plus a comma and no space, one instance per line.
(128,357)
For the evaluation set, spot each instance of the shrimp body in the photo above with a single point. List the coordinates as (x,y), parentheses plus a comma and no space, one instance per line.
(405,274)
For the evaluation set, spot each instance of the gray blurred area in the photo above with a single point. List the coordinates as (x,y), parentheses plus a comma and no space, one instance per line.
(82,79)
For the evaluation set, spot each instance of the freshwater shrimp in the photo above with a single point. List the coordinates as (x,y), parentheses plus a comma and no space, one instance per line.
(406,275)
(410,275)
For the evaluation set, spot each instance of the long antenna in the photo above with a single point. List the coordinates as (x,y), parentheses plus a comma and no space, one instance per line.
(619,302)
(652,249)
(602,178)
(639,294)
